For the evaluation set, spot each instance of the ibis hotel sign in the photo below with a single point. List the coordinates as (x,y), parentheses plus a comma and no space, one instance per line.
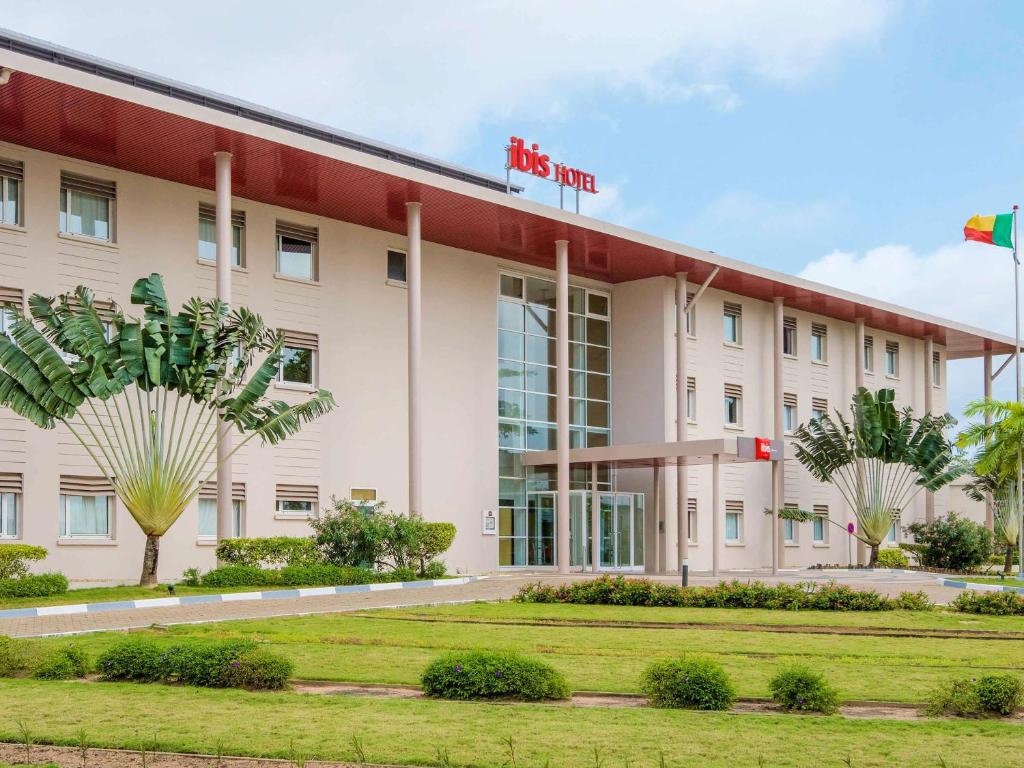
(530,159)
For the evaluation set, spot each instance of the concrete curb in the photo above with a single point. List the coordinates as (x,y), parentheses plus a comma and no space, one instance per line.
(978,587)
(228,597)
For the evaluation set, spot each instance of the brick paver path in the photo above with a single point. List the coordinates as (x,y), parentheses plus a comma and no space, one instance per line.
(493,588)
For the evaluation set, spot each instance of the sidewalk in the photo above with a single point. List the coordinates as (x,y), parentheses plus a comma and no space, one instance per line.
(501,587)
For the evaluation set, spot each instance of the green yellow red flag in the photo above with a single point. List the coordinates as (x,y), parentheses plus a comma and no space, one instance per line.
(997,230)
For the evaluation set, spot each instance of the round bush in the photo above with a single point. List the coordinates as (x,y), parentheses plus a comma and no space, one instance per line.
(688,683)
(258,670)
(1000,694)
(490,675)
(207,664)
(34,585)
(136,659)
(802,689)
(67,663)
(436,569)
(892,558)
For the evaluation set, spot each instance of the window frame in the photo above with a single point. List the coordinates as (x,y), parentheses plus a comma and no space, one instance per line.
(936,369)
(790,532)
(293,513)
(65,200)
(729,310)
(5,534)
(739,540)
(868,360)
(892,352)
(64,515)
(790,338)
(237,227)
(819,339)
(691,403)
(822,520)
(394,281)
(314,369)
(738,423)
(237,518)
(314,257)
(790,419)
(19,206)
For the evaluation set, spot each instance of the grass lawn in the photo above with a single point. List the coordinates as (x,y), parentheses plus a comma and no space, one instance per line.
(411,732)
(379,648)
(1013,581)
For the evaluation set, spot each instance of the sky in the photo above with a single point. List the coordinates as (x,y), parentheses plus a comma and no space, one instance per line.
(847,141)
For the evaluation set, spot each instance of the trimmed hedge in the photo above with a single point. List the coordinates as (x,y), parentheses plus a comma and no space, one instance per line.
(991,603)
(688,683)
(68,662)
(14,559)
(892,558)
(804,690)
(227,664)
(491,675)
(618,590)
(268,552)
(313,575)
(34,585)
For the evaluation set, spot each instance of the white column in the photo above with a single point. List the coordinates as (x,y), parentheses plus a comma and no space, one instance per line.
(929,349)
(658,566)
(414,284)
(778,476)
(716,511)
(595,521)
(682,478)
(858,367)
(987,390)
(222,174)
(562,391)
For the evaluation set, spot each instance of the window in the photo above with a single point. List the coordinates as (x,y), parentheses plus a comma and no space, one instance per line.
(733,522)
(788,412)
(10,298)
(691,520)
(297,500)
(691,316)
(789,336)
(936,370)
(790,528)
(10,502)
(869,355)
(892,358)
(296,251)
(298,359)
(733,405)
(363,497)
(819,407)
(208,510)
(691,398)
(396,266)
(86,507)
(819,524)
(87,206)
(892,537)
(819,343)
(208,235)
(12,178)
(732,333)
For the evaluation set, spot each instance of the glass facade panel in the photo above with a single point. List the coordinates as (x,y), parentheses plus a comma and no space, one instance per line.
(510,315)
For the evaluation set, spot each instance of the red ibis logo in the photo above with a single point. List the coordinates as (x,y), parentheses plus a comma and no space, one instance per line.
(762,449)
(532,160)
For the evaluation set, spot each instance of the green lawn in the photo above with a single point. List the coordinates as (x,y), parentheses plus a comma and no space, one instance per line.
(379,648)
(1013,581)
(411,732)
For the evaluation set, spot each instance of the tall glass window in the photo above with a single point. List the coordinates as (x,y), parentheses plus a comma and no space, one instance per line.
(527,405)
(208,518)
(85,516)
(11,180)
(9,515)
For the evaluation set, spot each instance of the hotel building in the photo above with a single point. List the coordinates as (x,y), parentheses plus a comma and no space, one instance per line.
(527,373)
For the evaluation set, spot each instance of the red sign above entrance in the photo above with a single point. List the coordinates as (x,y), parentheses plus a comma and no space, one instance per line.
(762,449)
(532,160)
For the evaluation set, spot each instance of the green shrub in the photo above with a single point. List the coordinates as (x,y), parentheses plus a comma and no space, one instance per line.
(258,670)
(953,543)
(434,539)
(240,576)
(14,559)
(34,585)
(992,603)
(435,569)
(135,659)
(400,574)
(492,675)
(688,683)
(16,656)
(618,590)
(892,558)
(999,695)
(191,577)
(68,662)
(325,575)
(803,689)
(268,552)
(206,665)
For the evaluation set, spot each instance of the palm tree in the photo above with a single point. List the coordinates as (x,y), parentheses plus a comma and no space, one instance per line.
(879,460)
(1005,511)
(146,396)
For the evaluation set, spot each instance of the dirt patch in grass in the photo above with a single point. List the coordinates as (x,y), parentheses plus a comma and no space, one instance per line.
(71,757)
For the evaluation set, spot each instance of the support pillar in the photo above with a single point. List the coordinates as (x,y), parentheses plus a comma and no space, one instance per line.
(858,367)
(658,563)
(987,389)
(413,270)
(222,176)
(778,477)
(682,477)
(716,509)
(929,386)
(595,520)
(562,404)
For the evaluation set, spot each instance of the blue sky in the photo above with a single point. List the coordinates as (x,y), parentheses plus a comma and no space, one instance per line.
(845,140)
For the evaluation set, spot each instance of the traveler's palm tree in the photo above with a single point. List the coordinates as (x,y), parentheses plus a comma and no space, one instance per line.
(879,460)
(145,397)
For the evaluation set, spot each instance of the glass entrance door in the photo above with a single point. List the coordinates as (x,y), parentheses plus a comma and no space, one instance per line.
(622,531)
(540,527)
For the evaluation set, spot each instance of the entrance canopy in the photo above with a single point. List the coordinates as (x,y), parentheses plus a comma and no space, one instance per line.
(730,450)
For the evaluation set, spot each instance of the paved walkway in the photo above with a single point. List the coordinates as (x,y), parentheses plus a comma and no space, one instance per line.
(493,588)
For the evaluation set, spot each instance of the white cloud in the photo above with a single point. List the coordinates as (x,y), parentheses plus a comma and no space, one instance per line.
(966,282)
(766,218)
(427,74)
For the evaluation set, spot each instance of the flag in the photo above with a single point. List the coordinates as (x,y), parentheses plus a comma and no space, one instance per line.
(997,230)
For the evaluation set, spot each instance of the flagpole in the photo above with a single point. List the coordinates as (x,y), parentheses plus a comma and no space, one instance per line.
(1020,468)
